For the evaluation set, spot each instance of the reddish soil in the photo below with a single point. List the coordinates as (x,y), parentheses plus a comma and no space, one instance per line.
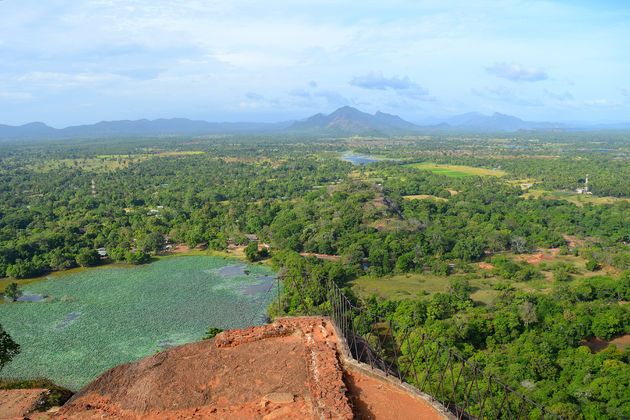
(17,403)
(375,399)
(540,256)
(288,370)
(486,266)
(597,344)
(573,240)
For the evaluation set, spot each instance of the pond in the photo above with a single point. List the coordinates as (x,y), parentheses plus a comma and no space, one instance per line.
(95,319)
(34,297)
(357,159)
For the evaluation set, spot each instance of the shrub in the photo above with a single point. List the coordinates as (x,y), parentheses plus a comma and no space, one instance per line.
(211,333)
(87,257)
(593,265)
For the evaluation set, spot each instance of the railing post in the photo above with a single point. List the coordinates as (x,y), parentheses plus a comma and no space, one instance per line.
(278,290)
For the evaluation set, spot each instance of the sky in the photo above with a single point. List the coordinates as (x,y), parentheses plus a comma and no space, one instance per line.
(68,62)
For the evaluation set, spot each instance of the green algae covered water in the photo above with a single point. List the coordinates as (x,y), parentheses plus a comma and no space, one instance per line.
(99,318)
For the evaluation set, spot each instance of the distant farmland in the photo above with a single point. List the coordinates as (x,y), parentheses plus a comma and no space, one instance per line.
(456,171)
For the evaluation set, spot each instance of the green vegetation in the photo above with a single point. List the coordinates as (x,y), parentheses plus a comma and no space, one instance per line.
(533,341)
(512,278)
(211,333)
(12,292)
(99,318)
(456,171)
(252,253)
(8,348)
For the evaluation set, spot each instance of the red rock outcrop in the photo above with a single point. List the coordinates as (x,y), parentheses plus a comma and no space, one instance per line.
(291,369)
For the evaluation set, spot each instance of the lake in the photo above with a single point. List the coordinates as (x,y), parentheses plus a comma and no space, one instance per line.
(357,159)
(95,319)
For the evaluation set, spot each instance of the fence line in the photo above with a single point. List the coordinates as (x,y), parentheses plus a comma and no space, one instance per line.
(458,385)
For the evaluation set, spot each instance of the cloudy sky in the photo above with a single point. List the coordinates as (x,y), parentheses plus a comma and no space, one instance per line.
(68,62)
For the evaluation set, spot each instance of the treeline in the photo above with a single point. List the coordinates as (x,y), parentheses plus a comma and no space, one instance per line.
(47,220)
(533,342)
(297,203)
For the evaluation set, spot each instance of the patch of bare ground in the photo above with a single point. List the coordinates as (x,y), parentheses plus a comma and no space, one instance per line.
(597,344)
(19,403)
(573,240)
(290,369)
(285,370)
(326,257)
(539,256)
(181,249)
(375,399)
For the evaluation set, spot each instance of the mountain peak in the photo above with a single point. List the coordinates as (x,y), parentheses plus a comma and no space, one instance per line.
(348,120)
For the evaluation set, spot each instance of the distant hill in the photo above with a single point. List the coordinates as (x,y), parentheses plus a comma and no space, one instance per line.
(137,128)
(348,120)
(30,130)
(344,121)
(474,121)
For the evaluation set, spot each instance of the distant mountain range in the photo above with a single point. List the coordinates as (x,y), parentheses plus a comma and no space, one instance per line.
(342,122)
(348,120)
(137,128)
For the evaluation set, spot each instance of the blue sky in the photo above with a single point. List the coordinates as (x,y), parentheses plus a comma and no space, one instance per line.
(74,62)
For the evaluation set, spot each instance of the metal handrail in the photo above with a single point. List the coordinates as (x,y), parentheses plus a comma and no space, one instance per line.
(461,387)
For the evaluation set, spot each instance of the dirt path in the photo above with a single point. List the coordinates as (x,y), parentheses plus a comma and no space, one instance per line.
(375,400)
(327,257)
(597,344)
(17,403)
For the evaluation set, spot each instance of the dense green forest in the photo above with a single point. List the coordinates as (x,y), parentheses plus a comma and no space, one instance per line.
(471,238)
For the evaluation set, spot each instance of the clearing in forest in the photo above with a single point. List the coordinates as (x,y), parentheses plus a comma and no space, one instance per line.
(571,197)
(424,197)
(456,171)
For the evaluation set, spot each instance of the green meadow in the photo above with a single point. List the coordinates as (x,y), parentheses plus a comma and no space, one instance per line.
(456,171)
(95,319)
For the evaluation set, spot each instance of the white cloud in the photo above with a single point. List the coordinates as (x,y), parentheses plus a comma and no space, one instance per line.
(380,82)
(566,96)
(599,102)
(212,53)
(503,94)
(401,85)
(254,96)
(517,72)
(16,95)
(62,80)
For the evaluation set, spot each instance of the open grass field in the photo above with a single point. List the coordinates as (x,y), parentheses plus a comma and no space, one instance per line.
(456,171)
(404,286)
(101,163)
(572,197)
(419,285)
(95,319)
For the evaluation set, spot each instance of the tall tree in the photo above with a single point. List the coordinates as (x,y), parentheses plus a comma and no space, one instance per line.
(8,348)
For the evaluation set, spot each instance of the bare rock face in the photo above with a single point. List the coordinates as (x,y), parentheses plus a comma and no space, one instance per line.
(288,370)
(18,403)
